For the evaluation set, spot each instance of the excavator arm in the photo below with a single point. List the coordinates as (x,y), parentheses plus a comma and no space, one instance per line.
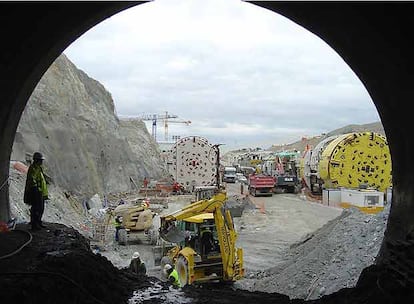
(170,233)
(232,257)
(202,206)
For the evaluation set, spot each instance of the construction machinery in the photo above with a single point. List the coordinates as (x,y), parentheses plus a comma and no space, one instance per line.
(201,236)
(166,121)
(192,163)
(137,221)
(205,242)
(154,118)
(229,174)
(261,184)
(349,160)
(163,117)
(283,166)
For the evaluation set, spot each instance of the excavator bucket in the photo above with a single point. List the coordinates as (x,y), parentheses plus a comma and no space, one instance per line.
(173,235)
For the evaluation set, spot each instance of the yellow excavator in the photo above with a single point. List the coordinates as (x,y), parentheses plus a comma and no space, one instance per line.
(204,241)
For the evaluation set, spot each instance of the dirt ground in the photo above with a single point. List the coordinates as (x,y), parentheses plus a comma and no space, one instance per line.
(275,223)
(57,264)
(267,227)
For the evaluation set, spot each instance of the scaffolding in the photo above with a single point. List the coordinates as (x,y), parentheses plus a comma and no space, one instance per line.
(99,226)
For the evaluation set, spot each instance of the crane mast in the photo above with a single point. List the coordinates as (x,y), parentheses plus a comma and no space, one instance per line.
(163,117)
(187,122)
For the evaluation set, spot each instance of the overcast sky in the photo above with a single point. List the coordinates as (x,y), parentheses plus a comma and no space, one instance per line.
(243,75)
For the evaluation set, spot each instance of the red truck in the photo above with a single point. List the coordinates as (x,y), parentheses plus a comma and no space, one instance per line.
(260,184)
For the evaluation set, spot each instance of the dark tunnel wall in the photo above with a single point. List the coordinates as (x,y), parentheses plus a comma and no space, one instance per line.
(33,36)
(373,38)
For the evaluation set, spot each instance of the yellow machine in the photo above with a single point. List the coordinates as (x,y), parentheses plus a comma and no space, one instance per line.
(137,220)
(357,158)
(350,161)
(205,241)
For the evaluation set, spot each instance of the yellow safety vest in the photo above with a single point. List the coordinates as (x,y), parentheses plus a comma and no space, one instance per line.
(174,274)
(116,223)
(35,178)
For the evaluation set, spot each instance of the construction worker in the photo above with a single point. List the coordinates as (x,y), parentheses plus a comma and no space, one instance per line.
(172,275)
(36,192)
(118,225)
(176,188)
(206,238)
(136,265)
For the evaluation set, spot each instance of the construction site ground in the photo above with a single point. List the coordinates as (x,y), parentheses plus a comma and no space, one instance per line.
(294,250)
(267,227)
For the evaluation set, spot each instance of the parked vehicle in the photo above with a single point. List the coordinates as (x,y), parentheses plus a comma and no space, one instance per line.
(247,170)
(285,182)
(229,175)
(283,166)
(241,178)
(260,184)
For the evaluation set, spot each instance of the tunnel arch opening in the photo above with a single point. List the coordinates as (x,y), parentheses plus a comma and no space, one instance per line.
(400,230)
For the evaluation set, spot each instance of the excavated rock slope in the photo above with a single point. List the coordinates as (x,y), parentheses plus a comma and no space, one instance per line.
(71,119)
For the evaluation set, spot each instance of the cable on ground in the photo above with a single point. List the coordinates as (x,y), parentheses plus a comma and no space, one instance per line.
(21,247)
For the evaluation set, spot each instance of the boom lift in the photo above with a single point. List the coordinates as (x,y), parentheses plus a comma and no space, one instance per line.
(137,220)
(198,258)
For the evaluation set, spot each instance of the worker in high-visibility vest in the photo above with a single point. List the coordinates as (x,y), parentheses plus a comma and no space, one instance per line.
(118,226)
(36,192)
(172,275)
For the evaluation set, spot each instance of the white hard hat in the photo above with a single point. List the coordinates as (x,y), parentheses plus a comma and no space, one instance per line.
(135,255)
(167,267)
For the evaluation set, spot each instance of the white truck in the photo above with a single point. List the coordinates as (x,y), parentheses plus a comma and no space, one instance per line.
(229,174)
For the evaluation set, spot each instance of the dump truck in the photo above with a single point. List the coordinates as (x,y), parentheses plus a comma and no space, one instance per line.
(261,184)
(283,166)
(205,242)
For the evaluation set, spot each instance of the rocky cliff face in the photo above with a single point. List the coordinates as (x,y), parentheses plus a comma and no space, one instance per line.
(71,119)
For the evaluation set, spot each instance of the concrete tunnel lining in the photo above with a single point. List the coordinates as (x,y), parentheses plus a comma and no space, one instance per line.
(374,40)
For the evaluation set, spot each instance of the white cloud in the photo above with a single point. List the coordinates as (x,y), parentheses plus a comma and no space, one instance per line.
(240,73)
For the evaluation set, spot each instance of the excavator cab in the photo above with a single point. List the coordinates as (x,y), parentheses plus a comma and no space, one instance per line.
(200,234)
